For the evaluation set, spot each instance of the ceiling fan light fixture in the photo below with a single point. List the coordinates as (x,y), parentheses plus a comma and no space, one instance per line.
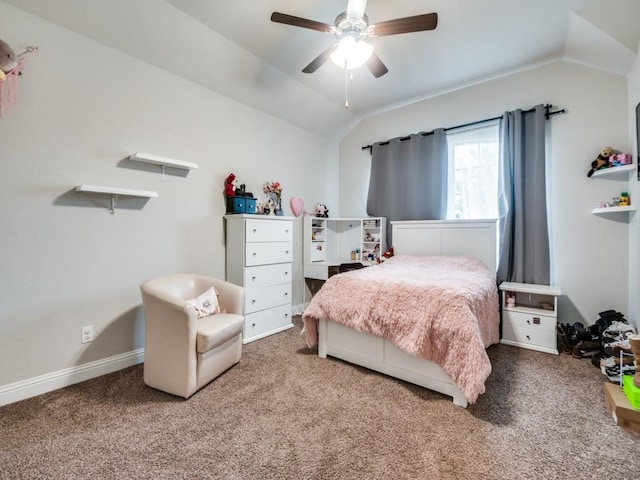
(351,53)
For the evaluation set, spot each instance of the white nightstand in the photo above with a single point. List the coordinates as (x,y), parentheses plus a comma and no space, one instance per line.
(531,321)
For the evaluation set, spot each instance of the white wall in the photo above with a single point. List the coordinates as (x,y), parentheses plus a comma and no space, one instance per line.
(65,261)
(590,252)
(634,191)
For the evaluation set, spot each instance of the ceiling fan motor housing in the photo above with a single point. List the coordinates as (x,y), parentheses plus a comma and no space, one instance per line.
(356,28)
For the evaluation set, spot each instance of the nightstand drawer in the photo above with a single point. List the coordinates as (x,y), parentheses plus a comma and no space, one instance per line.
(528,336)
(268,231)
(533,321)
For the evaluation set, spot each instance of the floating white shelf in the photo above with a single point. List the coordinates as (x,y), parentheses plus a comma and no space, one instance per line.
(116,191)
(630,208)
(162,161)
(622,169)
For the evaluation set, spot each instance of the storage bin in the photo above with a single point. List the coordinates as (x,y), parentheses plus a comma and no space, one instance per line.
(235,204)
(249,205)
(631,391)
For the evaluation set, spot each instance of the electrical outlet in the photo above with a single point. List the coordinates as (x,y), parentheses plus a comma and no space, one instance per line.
(87,334)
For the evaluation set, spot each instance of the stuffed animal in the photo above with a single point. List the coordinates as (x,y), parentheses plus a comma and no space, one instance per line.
(8,59)
(322,211)
(601,161)
(230,185)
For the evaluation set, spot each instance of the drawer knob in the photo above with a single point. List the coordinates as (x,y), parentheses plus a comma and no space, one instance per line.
(528,337)
(253,279)
(286,294)
(286,252)
(253,325)
(254,254)
(286,315)
(255,230)
(529,321)
(253,302)
(286,273)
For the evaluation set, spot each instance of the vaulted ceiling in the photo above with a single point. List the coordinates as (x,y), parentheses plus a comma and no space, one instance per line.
(233,48)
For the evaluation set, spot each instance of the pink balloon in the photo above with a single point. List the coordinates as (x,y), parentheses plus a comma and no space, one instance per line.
(297,206)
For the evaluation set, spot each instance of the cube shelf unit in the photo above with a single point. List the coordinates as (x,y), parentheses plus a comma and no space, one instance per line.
(329,242)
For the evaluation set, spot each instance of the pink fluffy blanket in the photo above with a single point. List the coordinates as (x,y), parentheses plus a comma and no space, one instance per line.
(443,309)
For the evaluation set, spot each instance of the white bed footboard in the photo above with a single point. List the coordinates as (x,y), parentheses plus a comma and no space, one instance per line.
(380,355)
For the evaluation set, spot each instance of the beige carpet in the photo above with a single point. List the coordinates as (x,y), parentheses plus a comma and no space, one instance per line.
(284,413)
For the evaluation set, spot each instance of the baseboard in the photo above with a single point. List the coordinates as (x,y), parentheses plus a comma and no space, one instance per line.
(31,387)
(298,309)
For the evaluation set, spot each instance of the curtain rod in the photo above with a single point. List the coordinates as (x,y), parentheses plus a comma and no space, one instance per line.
(547,115)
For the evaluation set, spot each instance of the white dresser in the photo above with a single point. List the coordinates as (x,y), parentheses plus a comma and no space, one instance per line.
(529,319)
(259,258)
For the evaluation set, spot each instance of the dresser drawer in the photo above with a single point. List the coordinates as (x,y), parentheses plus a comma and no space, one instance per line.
(528,336)
(268,252)
(267,275)
(268,231)
(543,323)
(266,322)
(256,299)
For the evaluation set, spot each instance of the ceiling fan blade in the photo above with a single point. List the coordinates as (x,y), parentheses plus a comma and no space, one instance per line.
(301,22)
(319,60)
(418,23)
(356,8)
(376,66)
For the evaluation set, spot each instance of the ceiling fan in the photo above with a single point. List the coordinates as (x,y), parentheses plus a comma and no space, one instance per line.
(351,28)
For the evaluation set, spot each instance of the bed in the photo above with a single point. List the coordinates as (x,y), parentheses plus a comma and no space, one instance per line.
(370,328)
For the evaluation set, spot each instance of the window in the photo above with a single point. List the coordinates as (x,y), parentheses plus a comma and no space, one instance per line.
(473,171)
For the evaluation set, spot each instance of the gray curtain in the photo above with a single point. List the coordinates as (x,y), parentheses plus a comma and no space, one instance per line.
(409,179)
(522,206)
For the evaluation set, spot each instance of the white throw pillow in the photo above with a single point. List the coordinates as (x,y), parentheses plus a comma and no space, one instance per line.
(205,304)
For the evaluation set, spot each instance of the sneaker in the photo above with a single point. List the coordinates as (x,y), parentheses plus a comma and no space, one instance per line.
(613,361)
(614,348)
(615,371)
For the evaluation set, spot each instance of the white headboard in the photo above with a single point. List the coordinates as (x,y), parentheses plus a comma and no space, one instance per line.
(477,238)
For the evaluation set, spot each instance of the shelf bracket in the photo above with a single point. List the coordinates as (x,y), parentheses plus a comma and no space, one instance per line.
(163,167)
(112,210)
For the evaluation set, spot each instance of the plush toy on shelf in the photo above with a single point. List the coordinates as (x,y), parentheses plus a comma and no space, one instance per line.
(625,201)
(601,161)
(322,211)
(230,185)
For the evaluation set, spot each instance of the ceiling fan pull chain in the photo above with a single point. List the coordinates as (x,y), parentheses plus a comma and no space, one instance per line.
(346,85)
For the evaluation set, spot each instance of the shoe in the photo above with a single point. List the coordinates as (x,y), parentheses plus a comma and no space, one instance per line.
(613,349)
(586,349)
(564,343)
(613,361)
(615,371)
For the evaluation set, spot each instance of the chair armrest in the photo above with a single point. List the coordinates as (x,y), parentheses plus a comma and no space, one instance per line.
(231,296)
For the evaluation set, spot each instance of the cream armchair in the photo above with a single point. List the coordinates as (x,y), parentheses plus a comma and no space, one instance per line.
(183,353)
